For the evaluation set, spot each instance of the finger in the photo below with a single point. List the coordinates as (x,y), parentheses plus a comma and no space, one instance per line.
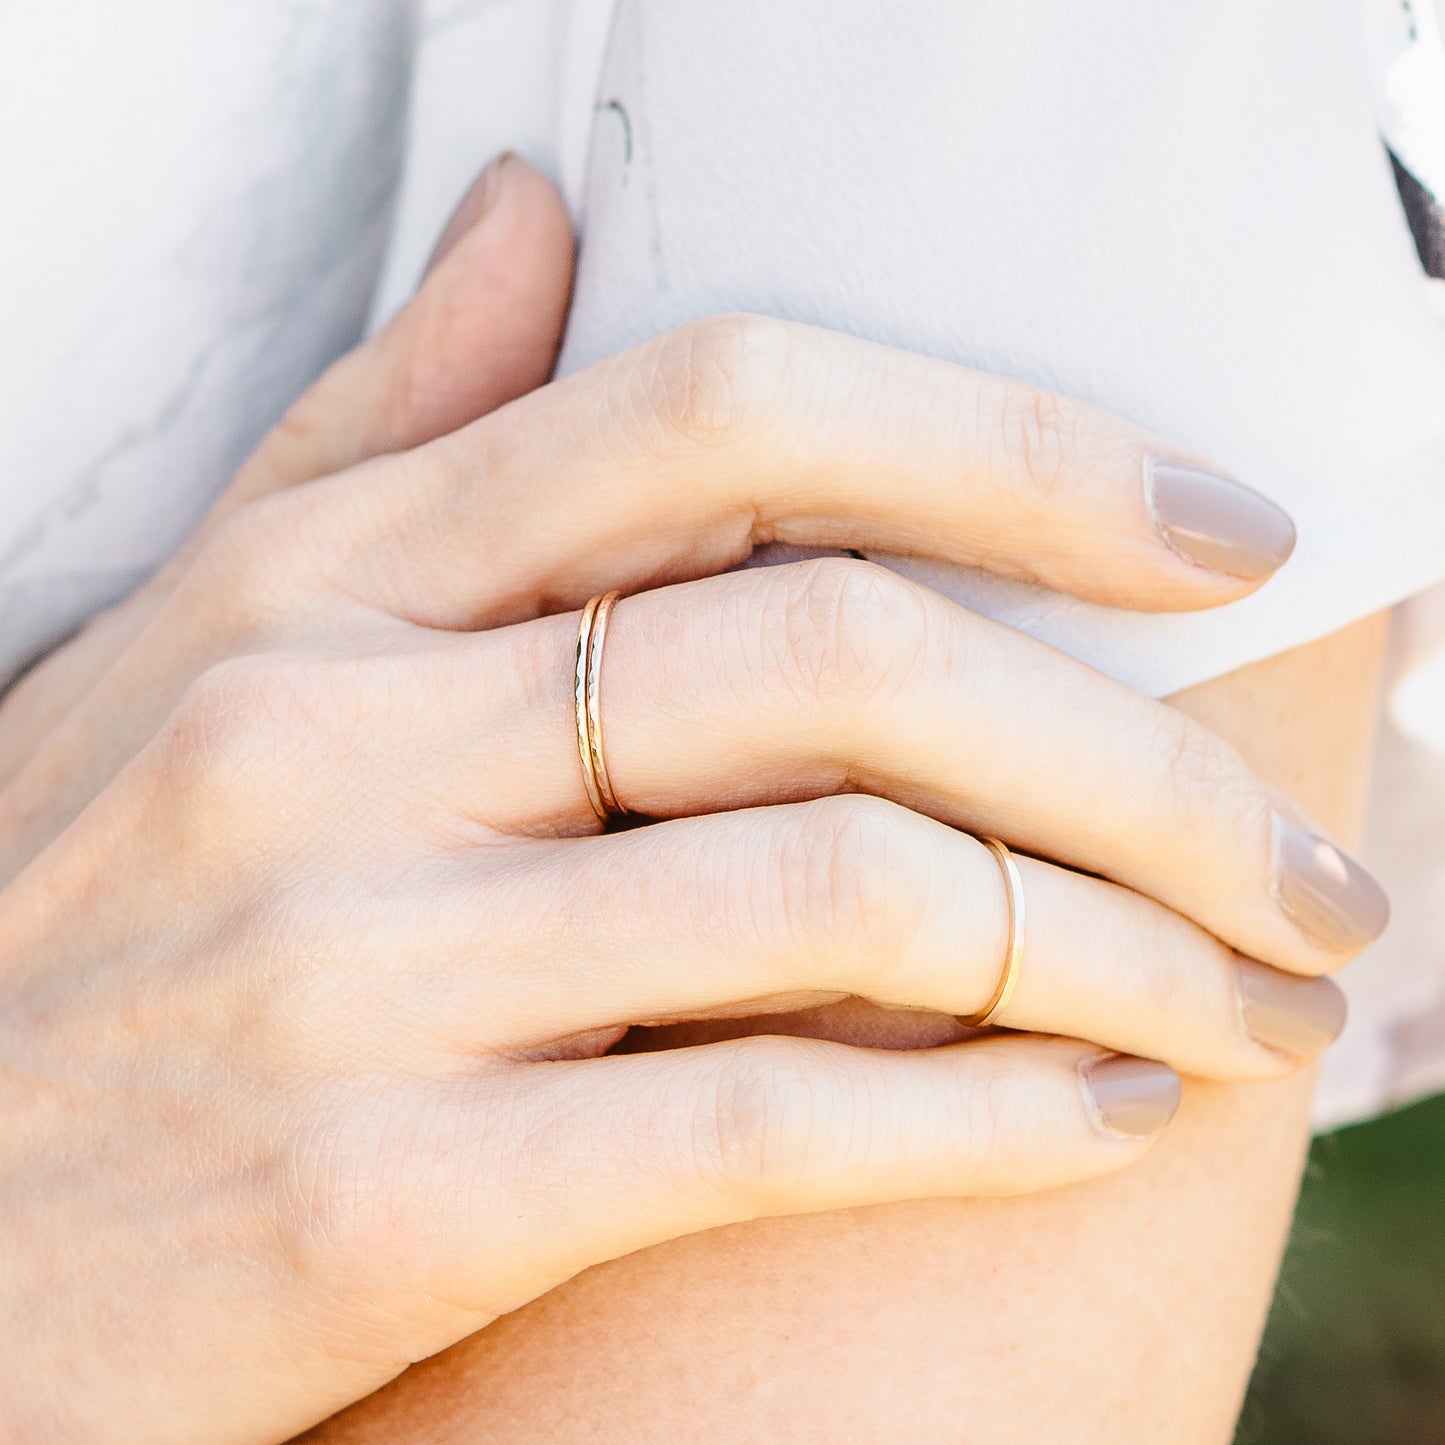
(778,909)
(677,459)
(787,683)
(626,1151)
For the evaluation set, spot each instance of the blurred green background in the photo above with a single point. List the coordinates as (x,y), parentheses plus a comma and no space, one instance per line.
(1355,1349)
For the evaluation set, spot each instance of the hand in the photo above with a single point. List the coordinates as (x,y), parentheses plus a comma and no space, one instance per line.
(298,1013)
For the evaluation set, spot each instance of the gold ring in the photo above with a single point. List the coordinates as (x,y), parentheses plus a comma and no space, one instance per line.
(1014,957)
(587,697)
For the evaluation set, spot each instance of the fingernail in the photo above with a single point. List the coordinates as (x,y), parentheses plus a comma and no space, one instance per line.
(1298,1016)
(481,196)
(1334,900)
(1128,1096)
(1216,522)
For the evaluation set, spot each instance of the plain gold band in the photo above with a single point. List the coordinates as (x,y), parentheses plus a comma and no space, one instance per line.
(1013,961)
(587,697)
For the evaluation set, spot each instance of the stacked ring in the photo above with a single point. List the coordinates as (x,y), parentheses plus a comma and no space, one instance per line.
(587,696)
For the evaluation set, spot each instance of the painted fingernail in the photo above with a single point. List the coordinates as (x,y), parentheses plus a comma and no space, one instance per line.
(1128,1096)
(1216,522)
(1298,1016)
(481,196)
(1333,899)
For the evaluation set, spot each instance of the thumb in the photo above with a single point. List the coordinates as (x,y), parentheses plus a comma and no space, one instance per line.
(483,328)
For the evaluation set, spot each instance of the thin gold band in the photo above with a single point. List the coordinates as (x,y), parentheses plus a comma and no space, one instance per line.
(587,697)
(579,697)
(610,800)
(1014,957)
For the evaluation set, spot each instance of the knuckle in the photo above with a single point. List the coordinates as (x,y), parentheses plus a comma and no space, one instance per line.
(252,570)
(1161,981)
(320,1194)
(759,1128)
(854,884)
(991,1116)
(300,1197)
(707,383)
(247,542)
(850,631)
(1038,433)
(1205,779)
(234,724)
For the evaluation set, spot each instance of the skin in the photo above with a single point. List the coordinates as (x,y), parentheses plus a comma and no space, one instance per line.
(1126,1308)
(752,1332)
(113,763)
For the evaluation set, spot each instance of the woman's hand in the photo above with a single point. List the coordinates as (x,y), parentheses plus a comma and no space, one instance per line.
(297,1013)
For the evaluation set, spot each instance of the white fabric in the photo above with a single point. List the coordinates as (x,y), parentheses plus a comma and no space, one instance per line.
(491,75)
(197,194)
(1181,212)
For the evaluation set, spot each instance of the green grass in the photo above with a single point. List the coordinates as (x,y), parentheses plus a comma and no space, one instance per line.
(1355,1349)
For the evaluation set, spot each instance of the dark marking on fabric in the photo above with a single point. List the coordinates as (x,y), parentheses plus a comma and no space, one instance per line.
(626,120)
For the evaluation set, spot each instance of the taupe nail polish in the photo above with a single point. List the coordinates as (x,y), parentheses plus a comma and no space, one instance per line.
(481,196)
(1335,901)
(1128,1096)
(1297,1016)
(1216,522)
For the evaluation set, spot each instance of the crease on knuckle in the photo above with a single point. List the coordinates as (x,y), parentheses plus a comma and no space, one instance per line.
(1050,442)
(235,728)
(1163,982)
(850,634)
(256,564)
(368,1179)
(853,880)
(1031,430)
(299,1196)
(1206,781)
(989,1114)
(706,385)
(759,1128)
(337,537)
(318,1188)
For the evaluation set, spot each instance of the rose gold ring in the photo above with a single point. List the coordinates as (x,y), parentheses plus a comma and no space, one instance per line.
(1014,950)
(587,696)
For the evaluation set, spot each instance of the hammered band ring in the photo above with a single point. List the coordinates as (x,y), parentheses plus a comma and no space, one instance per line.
(587,697)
